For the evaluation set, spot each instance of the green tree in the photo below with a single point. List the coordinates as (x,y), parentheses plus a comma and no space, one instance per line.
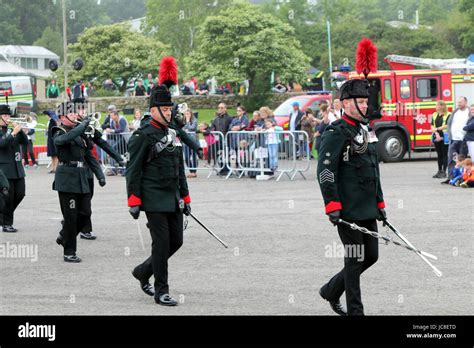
(242,42)
(176,22)
(113,51)
(11,32)
(52,40)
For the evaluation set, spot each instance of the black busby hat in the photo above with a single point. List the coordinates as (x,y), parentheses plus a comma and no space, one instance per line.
(354,89)
(5,110)
(65,108)
(160,96)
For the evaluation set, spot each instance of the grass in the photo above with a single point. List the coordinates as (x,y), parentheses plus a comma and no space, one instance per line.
(204,115)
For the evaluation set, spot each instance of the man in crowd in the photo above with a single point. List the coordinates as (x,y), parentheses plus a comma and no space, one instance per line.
(221,124)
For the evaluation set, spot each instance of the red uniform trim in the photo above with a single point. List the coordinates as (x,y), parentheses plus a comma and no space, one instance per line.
(155,124)
(134,200)
(348,120)
(187,199)
(381,205)
(333,206)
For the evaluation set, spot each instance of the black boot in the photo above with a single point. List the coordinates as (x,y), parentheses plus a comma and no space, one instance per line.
(145,285)
(336,305)
(166,300)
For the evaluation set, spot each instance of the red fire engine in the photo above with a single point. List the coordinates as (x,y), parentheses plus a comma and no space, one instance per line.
(408,100)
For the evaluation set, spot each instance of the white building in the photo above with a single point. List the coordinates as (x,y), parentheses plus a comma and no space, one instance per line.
(34,59)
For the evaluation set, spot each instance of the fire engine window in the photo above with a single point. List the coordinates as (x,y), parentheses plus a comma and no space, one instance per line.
(405,89)
(426,88)
(387,90)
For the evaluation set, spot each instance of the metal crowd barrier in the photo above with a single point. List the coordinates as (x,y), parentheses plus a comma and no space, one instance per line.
(263,154)
(119,142)
(215,155)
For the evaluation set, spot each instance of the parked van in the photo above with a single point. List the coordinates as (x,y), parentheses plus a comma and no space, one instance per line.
(19,84)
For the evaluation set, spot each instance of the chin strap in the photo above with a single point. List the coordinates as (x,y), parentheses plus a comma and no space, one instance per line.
(168,123)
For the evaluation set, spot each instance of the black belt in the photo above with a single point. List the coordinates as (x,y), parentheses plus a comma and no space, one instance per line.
(76,164)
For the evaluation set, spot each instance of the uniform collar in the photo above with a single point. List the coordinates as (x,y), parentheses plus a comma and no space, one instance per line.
(156,124)
(350,120)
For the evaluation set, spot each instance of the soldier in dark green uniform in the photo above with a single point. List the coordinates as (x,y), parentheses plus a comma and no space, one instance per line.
(10,164)
(349,178)
(71,177)
(91,139)
(156,184)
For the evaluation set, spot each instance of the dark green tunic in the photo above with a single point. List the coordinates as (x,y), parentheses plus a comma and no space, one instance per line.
(348,175)
(157,184)
(10,153)
(71,147)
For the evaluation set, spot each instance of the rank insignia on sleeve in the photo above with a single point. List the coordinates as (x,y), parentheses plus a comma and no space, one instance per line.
(326,176)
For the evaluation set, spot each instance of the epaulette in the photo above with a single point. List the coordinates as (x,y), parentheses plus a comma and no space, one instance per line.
(56,129)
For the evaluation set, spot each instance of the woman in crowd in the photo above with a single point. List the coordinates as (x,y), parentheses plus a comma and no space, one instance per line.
(440,139)
(190,156)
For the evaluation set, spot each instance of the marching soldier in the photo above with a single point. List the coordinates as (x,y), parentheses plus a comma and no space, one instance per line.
(349,178)
(94,138)
(156,184)
(10,164)
(71,177)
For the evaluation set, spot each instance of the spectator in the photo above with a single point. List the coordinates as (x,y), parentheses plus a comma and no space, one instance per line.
(194,81)
(50,148)
(190,156)
(469,129)
(52,91)
(308,122)
(458,171)
(135,123)
(267,114)
(440,137)
(221,124)
(28,148)
(117,134)
(272,141)
(468,176)
(140,90)
(110,109)
(109,85)
(89,90)
(322,126)
(279,87)
(456,124)
(338,111)
(255,122)
(238,124)
(295,125)
(150,87)
(78,92)
(148,81)
(203,89)
(211,140)
(68,92)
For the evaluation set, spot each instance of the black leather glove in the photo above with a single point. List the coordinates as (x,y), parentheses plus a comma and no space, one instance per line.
(4,192)
(135,211)
(382,215)
(102,182)
(187,209)
(200,154)
(334,217)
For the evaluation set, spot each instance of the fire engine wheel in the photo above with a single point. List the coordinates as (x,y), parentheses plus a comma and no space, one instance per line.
(391,146)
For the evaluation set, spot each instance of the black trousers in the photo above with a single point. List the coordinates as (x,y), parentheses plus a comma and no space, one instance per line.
(348,279)
(76,210)
(17,193)
(442,152)
(167,237)
(87,227)
(28,149)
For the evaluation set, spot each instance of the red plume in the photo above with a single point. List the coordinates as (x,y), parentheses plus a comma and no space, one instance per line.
(366,57)
(168,71)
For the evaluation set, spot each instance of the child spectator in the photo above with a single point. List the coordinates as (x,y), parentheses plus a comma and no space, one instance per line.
(457,172)
(272,143)
(210,139)
(468,175)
